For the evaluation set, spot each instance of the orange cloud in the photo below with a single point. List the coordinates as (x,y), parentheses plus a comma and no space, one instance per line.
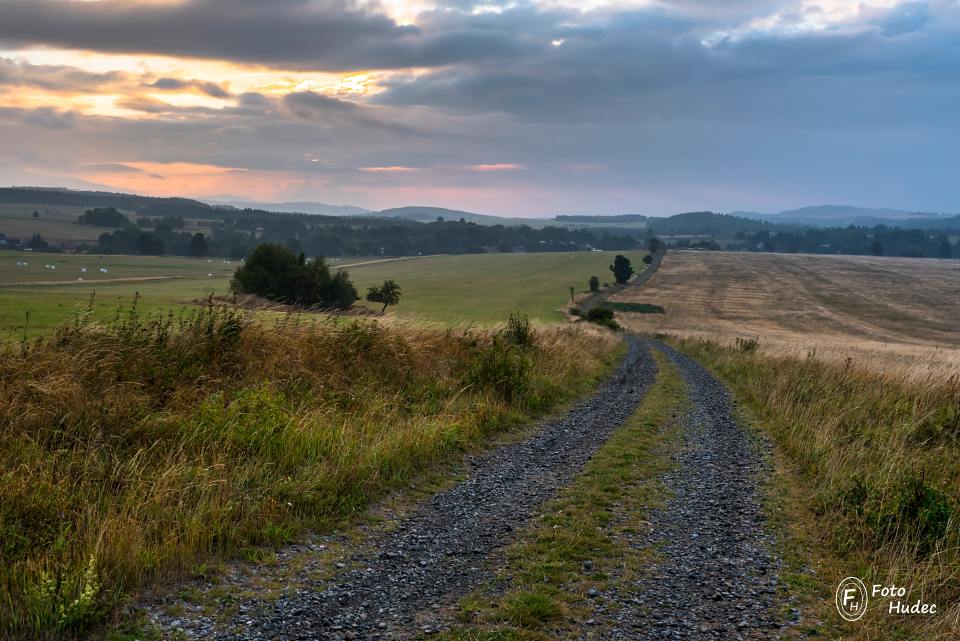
(399,169)
(181,178)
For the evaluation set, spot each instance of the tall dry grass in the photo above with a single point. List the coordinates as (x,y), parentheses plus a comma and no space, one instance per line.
(134,450)
(878,457)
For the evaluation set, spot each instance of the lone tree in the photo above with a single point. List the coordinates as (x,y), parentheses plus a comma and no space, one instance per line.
(274,272)
(621,268)
(389,294)
(655,245)
(594,284)
(198,245)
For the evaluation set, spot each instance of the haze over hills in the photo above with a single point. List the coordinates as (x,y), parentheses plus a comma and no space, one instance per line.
(843,215)
(299,207)
(690,222)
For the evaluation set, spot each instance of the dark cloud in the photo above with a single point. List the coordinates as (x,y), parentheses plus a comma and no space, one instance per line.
(20,73)
(683,105)
(300,34)
(325,111)
(49,118)
(174,84)
(654,66)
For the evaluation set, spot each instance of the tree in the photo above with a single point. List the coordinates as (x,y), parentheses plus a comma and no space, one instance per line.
(647,259)
(389,294)
(36,214)
(621,268)
(594,284)
(37,242)
(198,245)
(944,250)
(876,248)
(655,245)
(150,244)
(275,272)
(103,217)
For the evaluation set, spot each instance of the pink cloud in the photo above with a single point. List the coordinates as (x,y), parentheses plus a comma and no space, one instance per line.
(500,166)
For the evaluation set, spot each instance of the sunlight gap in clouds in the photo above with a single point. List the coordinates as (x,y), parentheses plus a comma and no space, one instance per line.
(142,70)
(373,139)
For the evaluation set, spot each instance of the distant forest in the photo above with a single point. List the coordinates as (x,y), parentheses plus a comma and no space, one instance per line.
(185,227)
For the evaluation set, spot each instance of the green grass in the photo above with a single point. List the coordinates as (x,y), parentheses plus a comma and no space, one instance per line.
(485,288)
(636,308)
(580,541)
(482,289)
(149,448)
(51,298)
(56,224)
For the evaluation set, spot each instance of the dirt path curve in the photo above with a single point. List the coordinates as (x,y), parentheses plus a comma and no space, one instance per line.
(438,553)
(716,574)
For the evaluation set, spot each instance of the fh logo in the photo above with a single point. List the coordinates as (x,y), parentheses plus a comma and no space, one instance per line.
(851,598)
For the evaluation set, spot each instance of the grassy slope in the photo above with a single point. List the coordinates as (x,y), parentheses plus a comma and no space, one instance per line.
(484,288)
(137,450)
(56,224)
(587,523)
(867,483)
(451,290)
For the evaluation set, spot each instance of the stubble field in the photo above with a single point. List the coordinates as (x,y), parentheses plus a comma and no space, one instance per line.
(894,314)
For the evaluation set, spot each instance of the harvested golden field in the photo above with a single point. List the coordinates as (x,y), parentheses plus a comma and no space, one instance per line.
(897,315)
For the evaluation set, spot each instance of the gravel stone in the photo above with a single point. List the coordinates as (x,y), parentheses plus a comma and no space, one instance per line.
(438,553)
(713,550)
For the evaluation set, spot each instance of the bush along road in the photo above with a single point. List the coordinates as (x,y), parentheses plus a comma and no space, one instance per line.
(694,564)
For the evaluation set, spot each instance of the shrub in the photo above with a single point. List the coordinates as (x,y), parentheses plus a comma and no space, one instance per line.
(602,316)
(500,367)
(517,332)
(594,284)
(647,259)
(272,271)
(636,308)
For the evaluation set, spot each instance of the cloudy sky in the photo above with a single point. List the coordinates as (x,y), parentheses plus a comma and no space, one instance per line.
(529,107)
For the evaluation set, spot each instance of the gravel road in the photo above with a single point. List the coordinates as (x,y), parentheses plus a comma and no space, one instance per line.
(438,553)
(716,575)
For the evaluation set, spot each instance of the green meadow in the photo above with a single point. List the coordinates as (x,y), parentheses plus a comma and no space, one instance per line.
(478,288)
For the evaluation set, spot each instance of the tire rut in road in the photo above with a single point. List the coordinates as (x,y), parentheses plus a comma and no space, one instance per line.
(716,573)
(439,552)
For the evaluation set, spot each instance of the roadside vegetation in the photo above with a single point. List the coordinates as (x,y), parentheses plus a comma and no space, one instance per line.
(580,546)
(869,479)
(142,448)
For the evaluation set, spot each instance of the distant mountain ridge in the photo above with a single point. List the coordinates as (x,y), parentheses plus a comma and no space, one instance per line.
(690,222)
(296,207)
(844,215)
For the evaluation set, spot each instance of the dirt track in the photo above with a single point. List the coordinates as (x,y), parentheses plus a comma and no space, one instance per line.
(715,578)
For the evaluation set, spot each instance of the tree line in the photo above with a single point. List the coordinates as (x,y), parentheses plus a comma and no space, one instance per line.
(237,234)
(863,241)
